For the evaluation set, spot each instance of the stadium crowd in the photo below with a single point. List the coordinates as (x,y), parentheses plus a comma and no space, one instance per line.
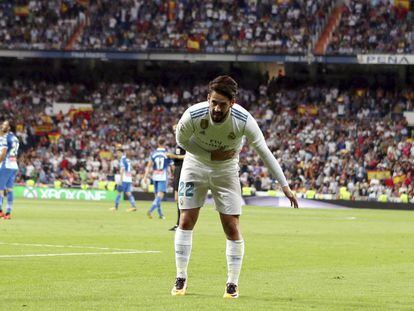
(214,26)
(325,138)
(38,24)
(245,26)
(374,26)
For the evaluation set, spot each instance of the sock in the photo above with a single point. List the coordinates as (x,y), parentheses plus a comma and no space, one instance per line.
(159,208)
(178,214)
(132,200)
(234,253)
(155,203)
(1,203)
(9,202)
(183,241)
(117,200)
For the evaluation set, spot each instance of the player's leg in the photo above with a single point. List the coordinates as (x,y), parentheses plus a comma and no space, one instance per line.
(176,182)
(9,191)
(1,203)
(128,194)
(178,208)
(192,191)
(2,189)
(155,203)
(234,253)
(4,176)
(160,196)
(227,196)
(183,244)
(119,190)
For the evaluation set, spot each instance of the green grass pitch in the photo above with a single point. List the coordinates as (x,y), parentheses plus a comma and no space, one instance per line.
(306,259)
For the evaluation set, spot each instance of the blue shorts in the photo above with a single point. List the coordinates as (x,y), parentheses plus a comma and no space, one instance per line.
(125,187)
(7,177)
(160,186)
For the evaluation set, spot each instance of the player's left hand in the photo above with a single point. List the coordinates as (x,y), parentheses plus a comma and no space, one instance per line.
(291,196)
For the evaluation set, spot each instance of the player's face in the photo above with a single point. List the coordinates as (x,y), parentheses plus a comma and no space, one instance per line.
(219,106)
(5,126)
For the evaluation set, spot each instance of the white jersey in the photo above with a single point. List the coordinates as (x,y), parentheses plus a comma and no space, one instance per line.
(11,143)
(199,135)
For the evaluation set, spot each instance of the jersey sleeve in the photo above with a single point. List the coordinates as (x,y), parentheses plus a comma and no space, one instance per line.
(256,139)
(184,137)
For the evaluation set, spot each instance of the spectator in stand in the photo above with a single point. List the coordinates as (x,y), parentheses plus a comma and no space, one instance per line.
(374,27)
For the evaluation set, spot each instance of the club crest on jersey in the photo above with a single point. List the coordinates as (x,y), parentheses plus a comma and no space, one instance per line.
(231,135)
(204,124)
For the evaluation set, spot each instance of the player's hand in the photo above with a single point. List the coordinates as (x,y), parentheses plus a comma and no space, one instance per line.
(222,155)
(291,196)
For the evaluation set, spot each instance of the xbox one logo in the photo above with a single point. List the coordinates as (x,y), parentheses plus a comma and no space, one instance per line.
(30,193)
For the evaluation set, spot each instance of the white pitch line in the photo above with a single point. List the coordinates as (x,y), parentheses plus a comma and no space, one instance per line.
(332,218)
(67,246)
(78,254)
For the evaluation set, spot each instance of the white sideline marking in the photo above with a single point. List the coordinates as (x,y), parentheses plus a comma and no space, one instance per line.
(112,251)
(78,254)
(332,218)
(68,246)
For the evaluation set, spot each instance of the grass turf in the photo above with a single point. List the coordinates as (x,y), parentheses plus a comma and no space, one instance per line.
(304,259)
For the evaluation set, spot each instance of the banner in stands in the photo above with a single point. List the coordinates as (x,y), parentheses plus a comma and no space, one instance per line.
(71,107)
(63,194)
(380,175)
(386,59)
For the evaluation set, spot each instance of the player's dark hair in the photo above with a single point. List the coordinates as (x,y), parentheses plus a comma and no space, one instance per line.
(12,126)
(161,141)
(224,85)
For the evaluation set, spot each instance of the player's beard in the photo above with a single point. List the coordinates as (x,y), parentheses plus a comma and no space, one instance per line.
(218,116)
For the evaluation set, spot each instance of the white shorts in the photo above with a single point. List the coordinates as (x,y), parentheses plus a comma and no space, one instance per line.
(195,180)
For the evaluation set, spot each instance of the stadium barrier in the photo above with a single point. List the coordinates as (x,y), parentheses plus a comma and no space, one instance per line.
(260,198)
(372,205)
(43,193)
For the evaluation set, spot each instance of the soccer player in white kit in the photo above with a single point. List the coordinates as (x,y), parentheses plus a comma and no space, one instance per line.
(211,132)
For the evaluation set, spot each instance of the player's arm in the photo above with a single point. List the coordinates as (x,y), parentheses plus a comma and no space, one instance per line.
(121,173)
(3,149)
(3,153)
(184,137)
(256,140)
(148,169)
(175,156)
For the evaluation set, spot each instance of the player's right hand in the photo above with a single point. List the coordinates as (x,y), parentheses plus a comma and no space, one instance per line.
(291,196)
(222,155)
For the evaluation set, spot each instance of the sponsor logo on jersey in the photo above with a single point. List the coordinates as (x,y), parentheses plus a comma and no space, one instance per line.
(204,124)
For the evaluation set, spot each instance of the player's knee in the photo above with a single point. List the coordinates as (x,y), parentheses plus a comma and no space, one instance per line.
(187,222)
(128,194)
(232,231)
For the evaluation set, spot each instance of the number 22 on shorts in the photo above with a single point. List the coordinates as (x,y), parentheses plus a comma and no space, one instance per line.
(186,189)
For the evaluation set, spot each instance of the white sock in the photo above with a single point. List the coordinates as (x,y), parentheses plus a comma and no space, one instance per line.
(234,253)
(183,242)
